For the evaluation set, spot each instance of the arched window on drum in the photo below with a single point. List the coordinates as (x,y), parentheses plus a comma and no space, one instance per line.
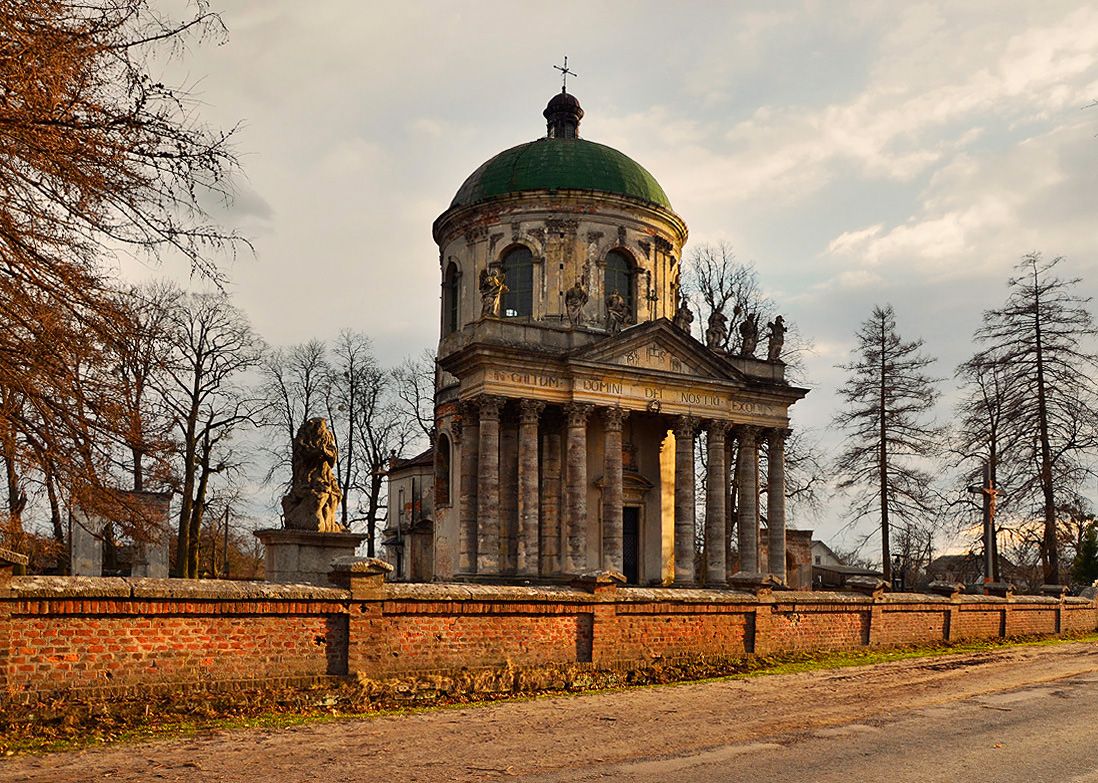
(518,271)
(621,277)
(450,299)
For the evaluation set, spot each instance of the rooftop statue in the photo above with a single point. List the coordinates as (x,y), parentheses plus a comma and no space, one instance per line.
(684,316)
(492,289)
(777,339)
(616,312)
(574,302)
(749,335)
(314,492)
(717,333)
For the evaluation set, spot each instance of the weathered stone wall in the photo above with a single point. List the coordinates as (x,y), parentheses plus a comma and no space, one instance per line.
(59,634)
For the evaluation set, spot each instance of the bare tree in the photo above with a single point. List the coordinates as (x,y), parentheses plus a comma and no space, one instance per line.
(96,153)
(415,389)
(353,374)
(214,346)
(139,349)
(384,432)
(295,387)
(1042,343)
(887,400)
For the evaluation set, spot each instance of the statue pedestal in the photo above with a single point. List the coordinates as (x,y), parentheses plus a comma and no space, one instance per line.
(304,556)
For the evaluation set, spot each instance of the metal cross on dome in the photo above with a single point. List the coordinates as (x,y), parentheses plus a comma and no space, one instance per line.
(564,74)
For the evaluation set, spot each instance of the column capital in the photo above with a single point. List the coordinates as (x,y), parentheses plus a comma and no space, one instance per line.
(685,427)
(468,409)
(718,426)
(455,429)
(531,410)
(614,417)
(577,413)
(747,433)
(489,406)
(778,435)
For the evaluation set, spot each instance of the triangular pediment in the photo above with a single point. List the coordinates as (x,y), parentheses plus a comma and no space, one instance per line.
(660,347)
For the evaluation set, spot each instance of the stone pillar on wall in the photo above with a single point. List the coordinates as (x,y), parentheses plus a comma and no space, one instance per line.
(612,491)
(716,490)
(550,500)
(685,429)
(747,500)
(775,502)
(488,486)
(575,494)
(527,554)
(467,433)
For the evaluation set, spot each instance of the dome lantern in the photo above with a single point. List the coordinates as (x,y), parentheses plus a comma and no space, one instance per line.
(563,114)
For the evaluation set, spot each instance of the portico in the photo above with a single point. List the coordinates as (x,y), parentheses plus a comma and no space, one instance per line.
(608,430)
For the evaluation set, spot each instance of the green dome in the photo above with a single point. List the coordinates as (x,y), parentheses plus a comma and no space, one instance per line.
(560,164)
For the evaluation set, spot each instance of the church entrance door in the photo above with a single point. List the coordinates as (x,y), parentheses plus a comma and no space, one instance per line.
(630,543)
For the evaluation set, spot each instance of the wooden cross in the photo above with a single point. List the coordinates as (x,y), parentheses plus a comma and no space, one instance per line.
(565,73)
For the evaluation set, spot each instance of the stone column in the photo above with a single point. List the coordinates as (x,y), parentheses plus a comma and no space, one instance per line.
(526,561)
(575,494)
(775,502)
(747,500)
(550,499)
(685,429)
(716,488)
(468,435)
(488,486)
(612,491)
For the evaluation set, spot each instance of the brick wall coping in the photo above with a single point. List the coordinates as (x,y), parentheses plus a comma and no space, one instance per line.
(187,589)
(54,587)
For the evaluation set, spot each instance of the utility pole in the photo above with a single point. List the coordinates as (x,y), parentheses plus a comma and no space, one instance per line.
(225,547)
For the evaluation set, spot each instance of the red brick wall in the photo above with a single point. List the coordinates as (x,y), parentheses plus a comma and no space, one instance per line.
(912,625)
(806,627)
(60,634)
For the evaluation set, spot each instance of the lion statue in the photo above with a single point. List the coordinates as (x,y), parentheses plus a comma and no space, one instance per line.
(314,492)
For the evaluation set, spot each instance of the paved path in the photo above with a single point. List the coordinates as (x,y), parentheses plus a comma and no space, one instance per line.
(1021,714)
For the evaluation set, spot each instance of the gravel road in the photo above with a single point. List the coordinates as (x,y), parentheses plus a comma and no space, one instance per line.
(1022,713)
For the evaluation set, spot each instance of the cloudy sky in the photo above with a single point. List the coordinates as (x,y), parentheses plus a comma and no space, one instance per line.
(856,153)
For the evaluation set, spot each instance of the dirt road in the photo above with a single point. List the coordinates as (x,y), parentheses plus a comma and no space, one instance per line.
(707,731)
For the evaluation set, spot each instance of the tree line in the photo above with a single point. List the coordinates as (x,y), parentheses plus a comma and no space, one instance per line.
(1027,410)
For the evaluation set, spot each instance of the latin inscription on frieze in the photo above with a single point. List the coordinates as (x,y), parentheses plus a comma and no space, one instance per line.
(536,380)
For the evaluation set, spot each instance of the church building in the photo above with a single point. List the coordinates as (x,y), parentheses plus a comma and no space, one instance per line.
(571,392)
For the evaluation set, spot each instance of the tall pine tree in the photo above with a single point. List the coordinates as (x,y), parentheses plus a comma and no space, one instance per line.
(888,398)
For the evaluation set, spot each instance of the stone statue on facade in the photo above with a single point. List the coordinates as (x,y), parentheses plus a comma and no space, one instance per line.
(314,492)
(616,312)
(684,316)
(749,335)
(717,333)
(492,289)
(777,339)
(574,301)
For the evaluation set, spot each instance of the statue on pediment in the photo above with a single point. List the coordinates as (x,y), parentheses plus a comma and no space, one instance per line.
(749,335)
(684,316)
(574,301)
(717,332)
(777,339)
(492,289)
(616,312)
